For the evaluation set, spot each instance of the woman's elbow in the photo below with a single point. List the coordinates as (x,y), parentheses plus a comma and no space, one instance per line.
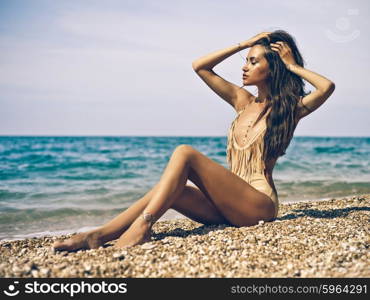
(194,65)
(330,89)
(332,86)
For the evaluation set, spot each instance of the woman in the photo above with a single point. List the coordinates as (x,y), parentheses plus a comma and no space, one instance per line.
(245,193)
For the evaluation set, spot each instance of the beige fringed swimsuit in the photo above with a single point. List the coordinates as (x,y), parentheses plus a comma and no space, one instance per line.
(246,161)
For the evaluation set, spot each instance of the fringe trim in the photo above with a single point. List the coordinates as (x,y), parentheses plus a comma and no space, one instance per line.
(248,161)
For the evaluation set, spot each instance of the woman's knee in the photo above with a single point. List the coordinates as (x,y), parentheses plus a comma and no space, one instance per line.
(185,151)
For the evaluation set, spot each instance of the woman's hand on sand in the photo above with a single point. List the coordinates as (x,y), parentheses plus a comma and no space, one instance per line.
(254,39)
(284,52)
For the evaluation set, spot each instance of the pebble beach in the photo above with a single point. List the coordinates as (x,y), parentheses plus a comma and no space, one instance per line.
(327,238)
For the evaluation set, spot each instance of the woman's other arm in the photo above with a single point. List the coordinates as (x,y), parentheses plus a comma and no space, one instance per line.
(324,87)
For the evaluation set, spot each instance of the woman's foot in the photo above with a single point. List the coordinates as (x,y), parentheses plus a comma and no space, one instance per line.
(138,233)
(84,240)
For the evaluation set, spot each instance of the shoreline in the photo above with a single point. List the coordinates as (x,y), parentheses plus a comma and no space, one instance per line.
(308,239)
(169,215)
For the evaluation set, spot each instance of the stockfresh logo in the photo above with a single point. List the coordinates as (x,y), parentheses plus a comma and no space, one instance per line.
(12,289)
(71,289)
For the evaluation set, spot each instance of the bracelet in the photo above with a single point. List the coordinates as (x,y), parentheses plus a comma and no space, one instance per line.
(148,217)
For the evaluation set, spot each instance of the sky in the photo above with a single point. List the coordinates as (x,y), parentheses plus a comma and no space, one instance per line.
(124,68)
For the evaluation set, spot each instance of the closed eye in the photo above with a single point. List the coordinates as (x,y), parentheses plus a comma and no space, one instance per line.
(246,61)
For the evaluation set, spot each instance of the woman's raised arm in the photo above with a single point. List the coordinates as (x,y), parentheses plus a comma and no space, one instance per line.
(237,97)
(208,61)
(324,87)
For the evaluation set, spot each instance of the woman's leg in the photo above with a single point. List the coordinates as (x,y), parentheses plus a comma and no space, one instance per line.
(170,186)
(192,203)
(114,228)
(109,231)
(239,202)
(234,199)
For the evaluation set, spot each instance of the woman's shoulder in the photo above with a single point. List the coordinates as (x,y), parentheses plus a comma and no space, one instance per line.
(243,99)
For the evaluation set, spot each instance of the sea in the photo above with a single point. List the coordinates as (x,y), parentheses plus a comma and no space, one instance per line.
(51,185)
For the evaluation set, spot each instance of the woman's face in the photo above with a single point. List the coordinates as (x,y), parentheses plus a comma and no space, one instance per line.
(256,68)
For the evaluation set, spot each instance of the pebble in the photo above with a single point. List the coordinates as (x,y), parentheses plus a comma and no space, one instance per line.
(148,246)
(119,256)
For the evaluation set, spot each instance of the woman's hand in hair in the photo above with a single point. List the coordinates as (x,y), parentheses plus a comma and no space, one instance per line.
(257,37)
(284,52)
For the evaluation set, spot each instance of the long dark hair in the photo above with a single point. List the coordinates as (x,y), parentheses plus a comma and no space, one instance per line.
(284,90)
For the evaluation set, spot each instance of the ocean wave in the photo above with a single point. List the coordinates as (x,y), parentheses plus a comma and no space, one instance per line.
(5,195)
(291,165)
(14,215)
(335,149)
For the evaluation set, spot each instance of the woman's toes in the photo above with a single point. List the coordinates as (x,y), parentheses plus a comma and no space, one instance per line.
(71,244)
(64,245)
(85,240)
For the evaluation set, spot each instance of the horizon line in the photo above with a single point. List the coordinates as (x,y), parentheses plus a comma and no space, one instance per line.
(25,135)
